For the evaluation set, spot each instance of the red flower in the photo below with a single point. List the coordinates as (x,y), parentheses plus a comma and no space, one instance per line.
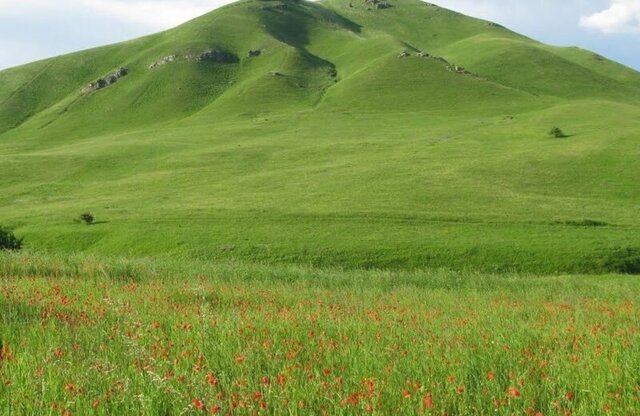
(491,375)
(212,380)
(198,404)
(406,394)
(570,396)
(428,401)
(513,392)
(214,409)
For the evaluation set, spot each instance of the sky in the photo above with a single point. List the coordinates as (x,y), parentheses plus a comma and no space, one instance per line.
(37,29)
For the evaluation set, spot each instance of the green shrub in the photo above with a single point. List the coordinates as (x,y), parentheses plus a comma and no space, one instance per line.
(557,133)
(8,241)
(87,218)
(623,260)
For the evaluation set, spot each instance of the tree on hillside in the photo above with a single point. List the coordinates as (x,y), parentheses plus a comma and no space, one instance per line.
(8,241)
(557,133)
(87,218)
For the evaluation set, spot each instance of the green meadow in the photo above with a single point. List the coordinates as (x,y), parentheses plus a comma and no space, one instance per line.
(82,335)
(329,149)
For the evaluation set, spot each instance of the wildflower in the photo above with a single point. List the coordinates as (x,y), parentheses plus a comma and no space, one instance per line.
(406,394)
(212,379)
(427,400)
(198,404)
(240,359)
(5,353)
(513,392)
(570,396)
(265,380)
(491,375)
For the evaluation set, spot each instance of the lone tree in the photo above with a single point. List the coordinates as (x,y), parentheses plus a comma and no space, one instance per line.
(557,133)
(87,218)
(8,241)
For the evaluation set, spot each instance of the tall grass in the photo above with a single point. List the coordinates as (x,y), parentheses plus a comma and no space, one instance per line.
(105,336)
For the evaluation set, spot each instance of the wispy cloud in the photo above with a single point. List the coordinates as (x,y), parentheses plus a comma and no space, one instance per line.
(154,14)
(622,16)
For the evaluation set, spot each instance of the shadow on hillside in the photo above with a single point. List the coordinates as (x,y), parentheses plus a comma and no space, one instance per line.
(288,21)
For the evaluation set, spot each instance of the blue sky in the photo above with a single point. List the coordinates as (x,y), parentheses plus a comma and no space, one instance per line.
(36,29)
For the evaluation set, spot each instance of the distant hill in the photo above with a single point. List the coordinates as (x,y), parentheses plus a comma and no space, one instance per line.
(357,134)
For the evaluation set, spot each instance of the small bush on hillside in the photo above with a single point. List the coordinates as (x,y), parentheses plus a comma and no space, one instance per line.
(8,241)
(87,218)
(585,223)
(623,260)
(557,133)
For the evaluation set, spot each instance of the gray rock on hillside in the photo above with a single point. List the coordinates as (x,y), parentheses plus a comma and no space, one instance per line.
(163,61)
(218,56)
(106,81)
(378,4)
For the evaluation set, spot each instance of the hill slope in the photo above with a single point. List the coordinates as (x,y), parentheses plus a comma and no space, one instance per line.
(335,132)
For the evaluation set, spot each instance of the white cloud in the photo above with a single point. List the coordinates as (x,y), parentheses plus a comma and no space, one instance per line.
(154,14)
(622,16)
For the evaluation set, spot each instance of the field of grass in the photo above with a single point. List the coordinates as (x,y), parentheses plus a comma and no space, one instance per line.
(346,222)
(81,335)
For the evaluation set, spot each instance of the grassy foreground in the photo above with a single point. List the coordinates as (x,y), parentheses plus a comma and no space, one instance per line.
(90,336)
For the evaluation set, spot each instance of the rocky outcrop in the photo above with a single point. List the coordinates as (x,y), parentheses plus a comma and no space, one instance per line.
(218,56)
(106,81)
(163,61)
(448,65)
(378,4)
(458,69)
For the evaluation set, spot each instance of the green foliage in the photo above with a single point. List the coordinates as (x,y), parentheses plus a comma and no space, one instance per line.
(87,218)
(8,240)
(557,133)
(623,260)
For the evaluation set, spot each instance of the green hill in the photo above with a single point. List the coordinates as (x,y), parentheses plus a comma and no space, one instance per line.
(389,134)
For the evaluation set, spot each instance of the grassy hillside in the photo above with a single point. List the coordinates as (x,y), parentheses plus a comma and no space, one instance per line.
(408,136)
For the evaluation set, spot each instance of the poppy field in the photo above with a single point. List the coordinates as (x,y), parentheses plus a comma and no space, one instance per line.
(81,336)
